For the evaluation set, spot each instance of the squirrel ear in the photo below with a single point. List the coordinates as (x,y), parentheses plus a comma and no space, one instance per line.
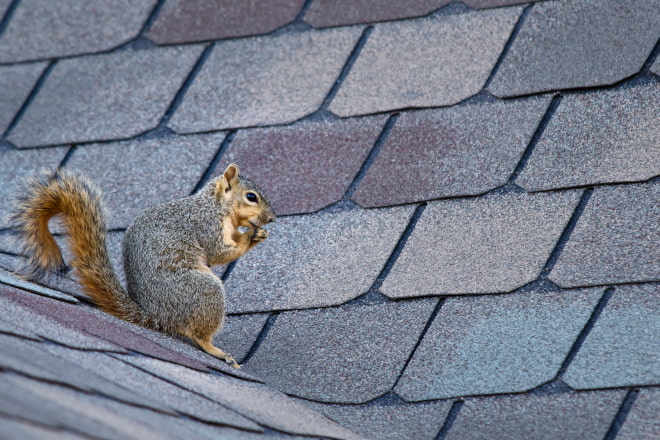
(230,177)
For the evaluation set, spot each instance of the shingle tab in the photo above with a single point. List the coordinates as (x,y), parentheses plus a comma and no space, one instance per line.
(424,63)
(239,333)
(581,43)
(568,416)
(264,405)
(615,239)
(482,4)
(46,327)
(102,97)
(169,395)
(16,83)
(303,167)
(115,419)
(457,151)
(331,258)
(181,21)
(269,81)
(136,174)
(583,146)
(495,243)
(642,421)
(390,420)
(370,345)
(46,29)
(16,165)
(622,347)
(496,344)
(325,13)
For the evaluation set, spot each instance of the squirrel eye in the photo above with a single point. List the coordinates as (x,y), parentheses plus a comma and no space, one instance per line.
(252,197)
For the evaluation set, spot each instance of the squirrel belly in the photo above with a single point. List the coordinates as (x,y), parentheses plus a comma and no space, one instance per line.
(79,202)
(167,250)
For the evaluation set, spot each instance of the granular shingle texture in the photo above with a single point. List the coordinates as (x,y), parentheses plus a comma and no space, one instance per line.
(425,63)
(642,420)
(372,344)
(162,167)
(569,416)
(581,145)
(101,97)
(16,83)
(269,81)
(496,344)
(15,166)
(270,407)
(466,242)
(495,243)
(324,13)
(43,28)
(622,347)
(390,419)
(181,21)
(302,167)
(615,239)
(458,151)
(580,43)
(331,258)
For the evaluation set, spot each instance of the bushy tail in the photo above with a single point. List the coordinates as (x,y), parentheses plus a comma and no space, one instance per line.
(67,193)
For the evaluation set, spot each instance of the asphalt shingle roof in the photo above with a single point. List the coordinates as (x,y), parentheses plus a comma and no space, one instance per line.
(468,240)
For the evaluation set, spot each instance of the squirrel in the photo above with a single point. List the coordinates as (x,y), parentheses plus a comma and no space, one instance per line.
(168,250)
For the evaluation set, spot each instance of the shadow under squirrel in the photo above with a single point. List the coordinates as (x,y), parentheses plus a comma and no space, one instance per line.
(168,250)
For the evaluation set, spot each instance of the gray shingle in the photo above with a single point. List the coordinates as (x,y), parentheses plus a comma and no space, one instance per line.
(580,43)
(491,244)
(46,327)
(496,344)
(270,80)
(117,419)
(16,83)
(480,4)
(622,347)
(316,260)
(12,280)
(457,151)
(4,6)
(655,68)
(568,416)
(342,355)
(261,404)
(598,137)
(46,29)
(181,21)
(642,421)
(239,333)
(323,13)
(390,420)
(171,396)
(139,173)
(30,358)
(14,428)
(615,239)
(16,165)
(424,63)
(101,97)
(303,167)
(21,400)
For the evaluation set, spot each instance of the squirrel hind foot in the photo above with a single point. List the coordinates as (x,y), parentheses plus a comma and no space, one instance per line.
(211,349)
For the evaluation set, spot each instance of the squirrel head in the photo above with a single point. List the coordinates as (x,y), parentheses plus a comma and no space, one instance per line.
(249,206)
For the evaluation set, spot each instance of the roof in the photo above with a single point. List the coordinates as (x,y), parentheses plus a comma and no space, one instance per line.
(468,202)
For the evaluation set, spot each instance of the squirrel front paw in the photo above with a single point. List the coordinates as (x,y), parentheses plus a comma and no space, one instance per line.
(258,235)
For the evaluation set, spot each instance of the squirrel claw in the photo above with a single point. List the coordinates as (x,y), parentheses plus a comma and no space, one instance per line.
(230,360)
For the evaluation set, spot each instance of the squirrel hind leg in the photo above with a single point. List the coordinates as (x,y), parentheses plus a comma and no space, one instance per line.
(206,344)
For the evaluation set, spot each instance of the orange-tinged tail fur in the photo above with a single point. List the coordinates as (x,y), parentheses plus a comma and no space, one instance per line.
(79,201)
